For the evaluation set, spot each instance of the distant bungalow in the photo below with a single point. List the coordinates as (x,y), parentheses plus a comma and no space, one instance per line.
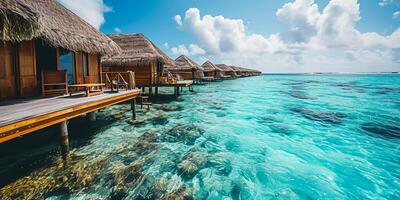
(227,71)
(141,56)
(187,69)
(211,70)
(46,49)
(146,60)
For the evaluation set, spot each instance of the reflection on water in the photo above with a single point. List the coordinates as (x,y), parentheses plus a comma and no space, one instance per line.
(267,137)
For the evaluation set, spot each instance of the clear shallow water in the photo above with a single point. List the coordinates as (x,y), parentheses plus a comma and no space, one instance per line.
(266,137)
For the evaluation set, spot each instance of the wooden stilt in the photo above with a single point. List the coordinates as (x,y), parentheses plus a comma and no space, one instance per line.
(133,108)
(150,92)
(92,116)
(64,139)
(156,91)
(176,92)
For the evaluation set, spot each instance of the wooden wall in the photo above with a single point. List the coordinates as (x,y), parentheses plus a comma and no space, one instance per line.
(144,75)
(8,86)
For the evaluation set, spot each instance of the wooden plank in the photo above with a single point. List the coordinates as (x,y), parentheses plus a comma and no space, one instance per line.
(34,123)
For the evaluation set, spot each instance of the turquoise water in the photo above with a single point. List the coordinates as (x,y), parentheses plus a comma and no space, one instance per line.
(266,137)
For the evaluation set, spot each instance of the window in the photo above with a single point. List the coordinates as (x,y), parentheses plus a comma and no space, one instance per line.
(66,63)
(85,64)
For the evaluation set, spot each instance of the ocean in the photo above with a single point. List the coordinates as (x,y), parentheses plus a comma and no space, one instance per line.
(265,137)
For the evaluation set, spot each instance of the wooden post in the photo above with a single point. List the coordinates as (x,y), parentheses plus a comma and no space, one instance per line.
(150,92)
(64,139)
(133,108)
(156,91)
(92,116)
(176,92)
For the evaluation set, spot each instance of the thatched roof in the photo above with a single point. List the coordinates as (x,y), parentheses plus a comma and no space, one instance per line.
(49,20)
(136,50)
(224,67)
(209,66)
(185,62)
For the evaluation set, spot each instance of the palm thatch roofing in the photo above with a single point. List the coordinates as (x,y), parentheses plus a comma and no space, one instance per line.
(225,68)
(185,63)
(49,20)
(137,50)
(208,66)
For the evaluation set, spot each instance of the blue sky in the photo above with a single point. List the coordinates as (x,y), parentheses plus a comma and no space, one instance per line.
(270,35)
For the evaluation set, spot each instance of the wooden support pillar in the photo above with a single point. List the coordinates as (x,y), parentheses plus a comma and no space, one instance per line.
(176,92)
(92,116)
(150,92)
(156,91)
(64,139)
(133,108)
(143,89)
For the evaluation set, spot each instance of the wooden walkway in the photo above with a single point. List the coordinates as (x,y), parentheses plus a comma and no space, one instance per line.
(20,117)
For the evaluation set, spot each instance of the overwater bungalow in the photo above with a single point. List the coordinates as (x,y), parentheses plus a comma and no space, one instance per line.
(187,69)
(145,59)
(228,72)
(239,71)
(211,70)
(46,53)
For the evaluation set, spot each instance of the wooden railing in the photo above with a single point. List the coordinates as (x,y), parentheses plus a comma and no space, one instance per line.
(128,77)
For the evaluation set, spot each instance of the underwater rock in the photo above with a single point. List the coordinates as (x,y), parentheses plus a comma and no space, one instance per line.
(170,108)
(321,116)
(297,94)
(72,176)
(382,130)
(182,193)
(136,122)
(186,133)
(159,119)
(149,137)
(191,163)
(221,163)
(158,189)
(125,179)
(143,147)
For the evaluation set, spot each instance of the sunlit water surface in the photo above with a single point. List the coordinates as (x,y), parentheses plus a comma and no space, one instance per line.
(266,137)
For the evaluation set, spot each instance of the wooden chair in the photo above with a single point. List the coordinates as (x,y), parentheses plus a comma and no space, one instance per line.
(54,82)
(119,84)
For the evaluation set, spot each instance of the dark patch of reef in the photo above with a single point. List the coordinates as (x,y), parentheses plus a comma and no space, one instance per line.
(321,116)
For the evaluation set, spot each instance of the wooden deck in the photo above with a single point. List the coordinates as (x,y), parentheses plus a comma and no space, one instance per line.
(20,117)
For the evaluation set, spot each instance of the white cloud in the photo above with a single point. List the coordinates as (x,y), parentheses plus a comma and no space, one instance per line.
(117,30)
(325,40)
(181,49)
(387,2)
(396,14)
(193,49)
(196,50)
(91,11)
(178,20)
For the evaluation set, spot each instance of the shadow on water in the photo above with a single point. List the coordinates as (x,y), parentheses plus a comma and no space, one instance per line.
(22,156)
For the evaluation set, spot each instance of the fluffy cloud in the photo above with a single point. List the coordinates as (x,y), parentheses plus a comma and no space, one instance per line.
(387,2)
(316,40)
(194,49)
(181,49)
(90,10)
(117,30)
(396,14)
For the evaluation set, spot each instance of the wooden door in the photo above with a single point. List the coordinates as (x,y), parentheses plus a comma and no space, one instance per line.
(94,68)
(27,69)
(8,87)
(79,77)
